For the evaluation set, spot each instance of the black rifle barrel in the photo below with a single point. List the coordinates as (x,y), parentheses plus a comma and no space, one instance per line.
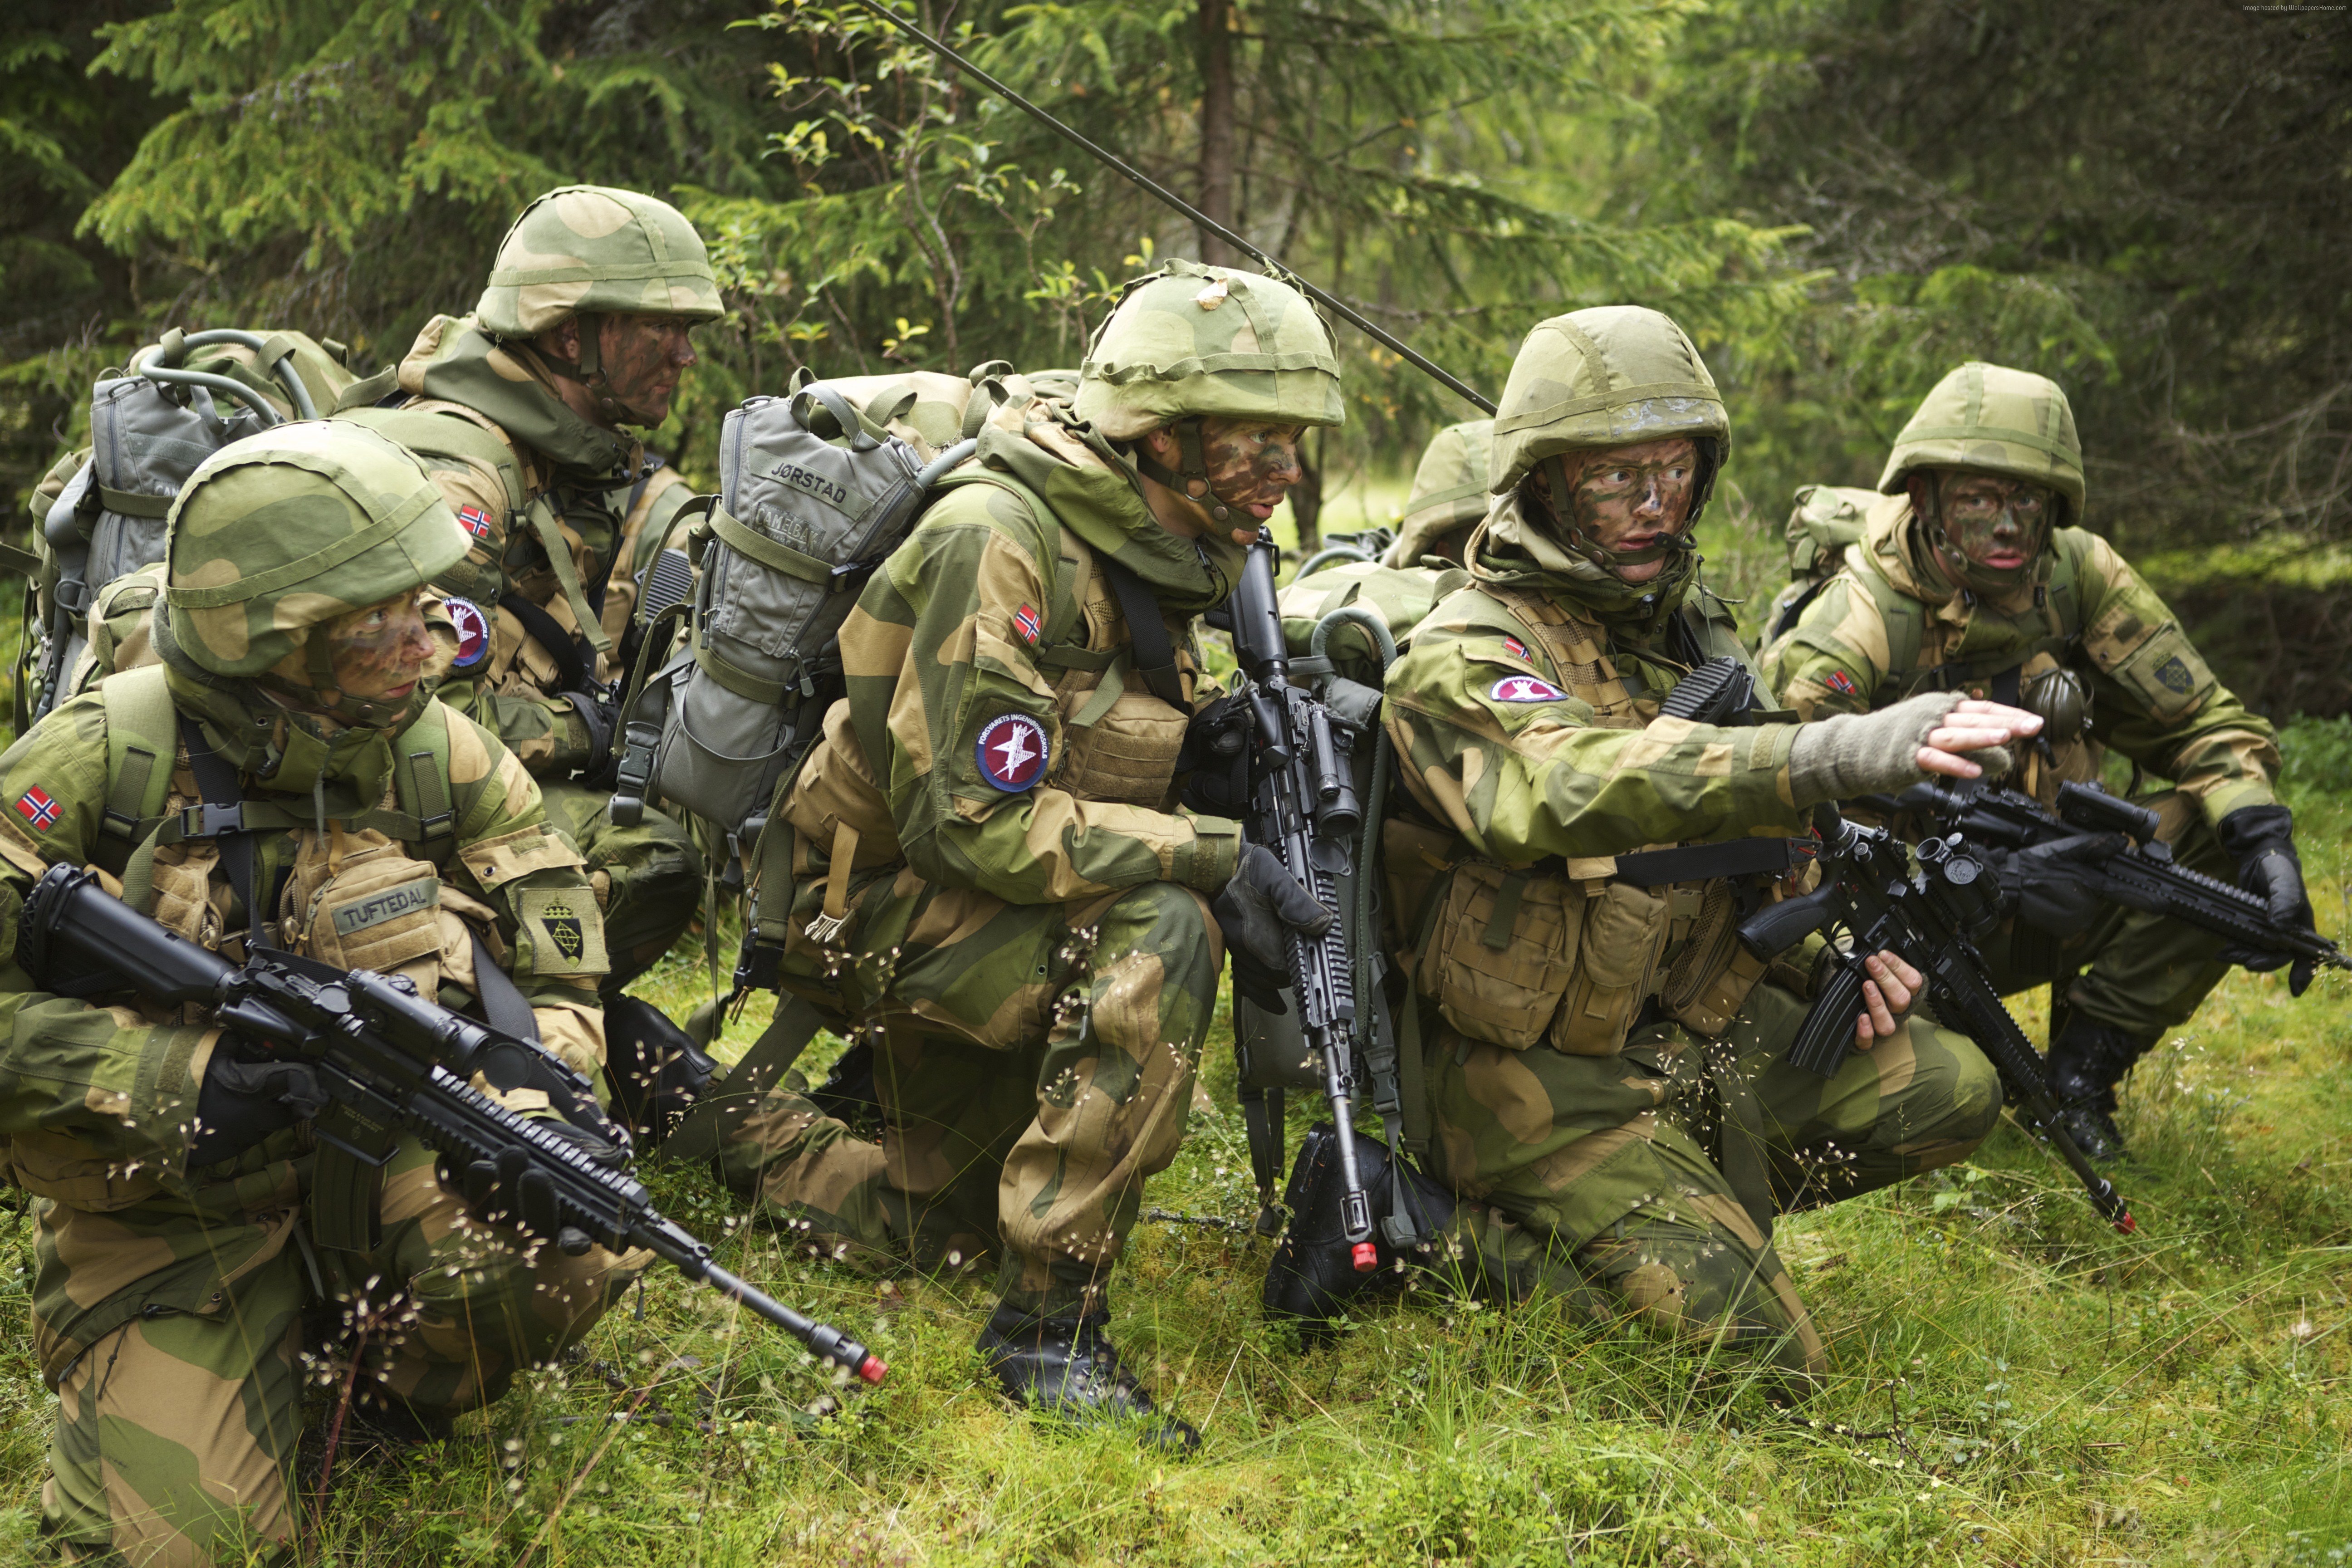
(1111,159)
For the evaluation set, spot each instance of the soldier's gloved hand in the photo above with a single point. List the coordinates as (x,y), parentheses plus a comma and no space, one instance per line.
(1213,762)
(512,1189)
(1891,750)
(2261,839)
(245,1096)
(2046,892)
(1257,911)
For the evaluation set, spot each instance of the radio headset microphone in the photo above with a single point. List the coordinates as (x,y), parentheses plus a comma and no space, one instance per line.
(1111,159)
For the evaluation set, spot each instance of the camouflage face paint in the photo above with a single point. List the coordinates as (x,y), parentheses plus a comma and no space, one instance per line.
(1628,498)
(378,653)
(1993,521)
(1251,465)
(641,359)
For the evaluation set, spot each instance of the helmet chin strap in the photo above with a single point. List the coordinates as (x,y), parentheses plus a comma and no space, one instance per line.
(1191,478)
(587,368)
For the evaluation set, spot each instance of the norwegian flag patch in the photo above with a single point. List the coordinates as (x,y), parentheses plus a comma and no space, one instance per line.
(474,521)
(38,808)
(1027,624)
(1526,689)
(1839,681)
(1515,648)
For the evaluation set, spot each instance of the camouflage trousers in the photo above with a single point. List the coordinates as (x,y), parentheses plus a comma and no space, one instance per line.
(1035,1065)
(1644,1186)
(175,1434)
(2138,972)
(648,879)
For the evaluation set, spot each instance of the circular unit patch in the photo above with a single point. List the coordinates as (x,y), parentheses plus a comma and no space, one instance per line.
(1526,689)
(473,631)
(1012,751)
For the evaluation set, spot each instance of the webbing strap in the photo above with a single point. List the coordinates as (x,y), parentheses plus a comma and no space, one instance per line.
(222,818)
(1706,862)
(133,503)
(1155,655)
(550,529)
(769,553)
(727,1101)
(571,665)
(504,1007)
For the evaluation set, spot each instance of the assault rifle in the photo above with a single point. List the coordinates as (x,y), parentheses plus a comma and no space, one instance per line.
(1303,807)
(2110,847)
(1928,917)
(389,1059)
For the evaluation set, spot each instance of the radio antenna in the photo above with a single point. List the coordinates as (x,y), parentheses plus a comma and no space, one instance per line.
(1111,159)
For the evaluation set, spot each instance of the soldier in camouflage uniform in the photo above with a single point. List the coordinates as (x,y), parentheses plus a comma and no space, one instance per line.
(1605,1113)
(993,878)
(188,1222)
(1970,576)
(1448,497)
(518,410)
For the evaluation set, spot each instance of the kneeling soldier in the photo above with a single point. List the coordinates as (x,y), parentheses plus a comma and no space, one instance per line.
(1970,577)
(280,777)
(992,875)
(1605,1115)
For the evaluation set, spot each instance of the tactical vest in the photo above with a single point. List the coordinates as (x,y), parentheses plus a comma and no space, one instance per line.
(1568,953)
(1916,662)
(1119,735)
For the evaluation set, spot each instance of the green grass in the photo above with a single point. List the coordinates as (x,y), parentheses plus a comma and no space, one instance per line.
(2010,1383)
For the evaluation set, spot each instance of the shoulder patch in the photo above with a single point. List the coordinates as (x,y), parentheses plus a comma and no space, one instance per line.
(1027,624)
(41,811)
(1526,689)
(1011,752)
(475,521)
(473,631)
(1515,648)
(2173,676)
(1838,681)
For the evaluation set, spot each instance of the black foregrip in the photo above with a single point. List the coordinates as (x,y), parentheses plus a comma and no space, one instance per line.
(1827,1033)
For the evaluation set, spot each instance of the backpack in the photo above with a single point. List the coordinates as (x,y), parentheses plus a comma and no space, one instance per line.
(1825,520)
(184,398)
(817,489)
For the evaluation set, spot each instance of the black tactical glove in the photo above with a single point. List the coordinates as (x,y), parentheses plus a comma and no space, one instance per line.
(245,1096)
(1258,910)
(511,1189)
(2044,893)
(2261,839)
(1213,762)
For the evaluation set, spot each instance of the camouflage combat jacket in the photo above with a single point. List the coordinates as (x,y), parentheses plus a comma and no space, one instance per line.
(1524,718)
(997,735)
(97,1104)
(1890,623)
(563,514)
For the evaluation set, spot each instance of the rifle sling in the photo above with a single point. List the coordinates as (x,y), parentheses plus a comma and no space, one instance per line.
(727,1101)
(1155,655)
(571,665)
(1706,862)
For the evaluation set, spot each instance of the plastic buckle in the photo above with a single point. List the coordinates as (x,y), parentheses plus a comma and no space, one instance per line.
(210,819)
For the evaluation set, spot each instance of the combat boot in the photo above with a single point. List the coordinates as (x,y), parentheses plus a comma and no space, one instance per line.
(1313,1274)
(1068,1367)
(2086,1061)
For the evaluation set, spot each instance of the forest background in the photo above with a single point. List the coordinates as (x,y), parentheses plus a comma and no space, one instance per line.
(1840,198)
(2150,200)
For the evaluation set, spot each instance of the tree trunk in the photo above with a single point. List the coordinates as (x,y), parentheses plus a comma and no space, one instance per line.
(1307,498)
(1217,126)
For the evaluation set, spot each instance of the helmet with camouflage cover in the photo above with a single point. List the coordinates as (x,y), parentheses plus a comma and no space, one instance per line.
(291,528)
(1614,376)
(1188,342)
(596,250)
(1994,420)
(1449,493)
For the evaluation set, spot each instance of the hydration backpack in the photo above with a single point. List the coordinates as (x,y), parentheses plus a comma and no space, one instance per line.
(182,399)
(817,489)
